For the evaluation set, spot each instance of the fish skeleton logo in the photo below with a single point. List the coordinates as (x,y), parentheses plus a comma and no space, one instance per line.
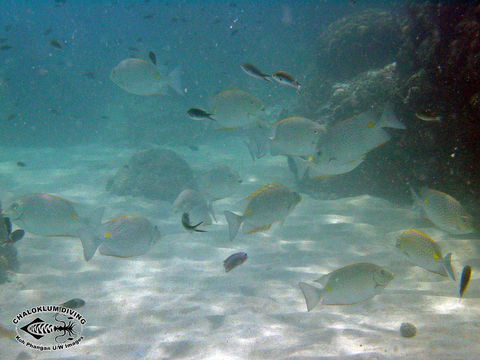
(49,327)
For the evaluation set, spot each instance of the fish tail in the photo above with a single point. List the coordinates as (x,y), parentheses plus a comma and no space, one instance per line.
(90,242)
(90,216)
(301,166)
(194,227)
(234,221)
(267,77)
(211,211)
(312,295)
(447,263)
(174,80)
(389,119)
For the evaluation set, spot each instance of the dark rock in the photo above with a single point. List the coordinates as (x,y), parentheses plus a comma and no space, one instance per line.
(357,43)
(154,174)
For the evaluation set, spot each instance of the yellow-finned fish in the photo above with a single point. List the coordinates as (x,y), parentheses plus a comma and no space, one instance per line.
(269,204)
(444,211)
(421,250)
(52,215)
(296,136)
(236,108)
(124,236)
(348,285)
(143,78)
(349,140)
(219,182)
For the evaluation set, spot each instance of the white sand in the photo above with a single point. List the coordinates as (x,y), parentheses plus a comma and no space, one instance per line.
(176,302)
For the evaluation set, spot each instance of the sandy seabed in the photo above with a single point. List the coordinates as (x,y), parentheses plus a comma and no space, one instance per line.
(176,302)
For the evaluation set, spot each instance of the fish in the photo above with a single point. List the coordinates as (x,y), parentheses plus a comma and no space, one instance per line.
(5,47)
(219,182)
(52,215)
(194,203)
(8,237)
(296,136)
(348,285)
(140,77)
(186,224)
(465,279)
(428,116)
(236,108)
(444,211)
(55,44)
(351,139)
(199,114)
(253,71)
(152,57)
(423,251)
(125,236)
(269,204)
(287,79)
(75,303)
(11,117)
(308,168)
(234,260)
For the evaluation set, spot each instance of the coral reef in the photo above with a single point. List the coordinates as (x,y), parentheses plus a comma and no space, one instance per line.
(351,45)
(154,174)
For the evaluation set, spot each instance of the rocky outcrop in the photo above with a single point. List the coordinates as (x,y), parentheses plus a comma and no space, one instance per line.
(154,174)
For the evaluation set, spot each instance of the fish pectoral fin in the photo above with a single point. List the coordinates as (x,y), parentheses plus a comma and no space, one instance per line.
(194,227)
(262,228)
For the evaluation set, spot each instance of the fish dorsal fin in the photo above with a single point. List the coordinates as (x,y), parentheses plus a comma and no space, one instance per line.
(422,234)
(323,280)
(262,228)
(284,120)
(121,217)
(263,189)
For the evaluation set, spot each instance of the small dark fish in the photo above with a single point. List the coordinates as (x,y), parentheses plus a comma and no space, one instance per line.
(5,47)
(74,303)
(193,147)
(11,117)
(285,78)
(152,57)
(133,48)
(199,114)
(55,44)
(21,164)
(186,224)
(465,279)
(149,16)
(253,71)
(234,260)
(104,117)
(60,2)
(16,236)
(54,111)
(427,116)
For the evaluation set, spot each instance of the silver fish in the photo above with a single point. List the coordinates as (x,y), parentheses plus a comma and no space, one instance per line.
(348,285)
(284,78)
(253,71)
